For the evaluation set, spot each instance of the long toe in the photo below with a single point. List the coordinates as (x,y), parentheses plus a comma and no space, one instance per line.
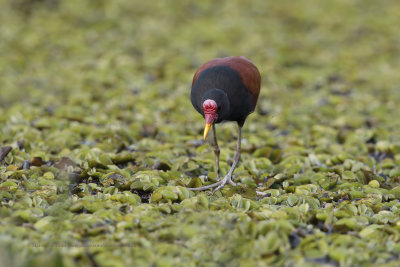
(221,185)
(227,180)
(230,180)
(218,185)
(232,183)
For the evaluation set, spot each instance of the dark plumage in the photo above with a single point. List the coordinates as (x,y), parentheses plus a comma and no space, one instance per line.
(225,89)
(238,77)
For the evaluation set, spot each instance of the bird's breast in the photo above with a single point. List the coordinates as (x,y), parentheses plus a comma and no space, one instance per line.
(226,79)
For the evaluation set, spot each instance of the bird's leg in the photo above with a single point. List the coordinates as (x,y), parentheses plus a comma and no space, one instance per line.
(228,177)
(216,152)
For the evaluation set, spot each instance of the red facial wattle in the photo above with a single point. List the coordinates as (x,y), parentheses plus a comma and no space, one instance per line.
(210,114)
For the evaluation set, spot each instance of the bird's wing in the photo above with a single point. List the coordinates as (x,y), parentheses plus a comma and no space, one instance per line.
(247,71)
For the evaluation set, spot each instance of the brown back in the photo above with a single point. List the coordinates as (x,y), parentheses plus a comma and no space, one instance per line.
(247,71)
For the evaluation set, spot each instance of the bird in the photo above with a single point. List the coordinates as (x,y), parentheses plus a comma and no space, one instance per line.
(225,89)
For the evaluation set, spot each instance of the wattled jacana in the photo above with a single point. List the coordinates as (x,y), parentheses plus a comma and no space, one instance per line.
(225,89)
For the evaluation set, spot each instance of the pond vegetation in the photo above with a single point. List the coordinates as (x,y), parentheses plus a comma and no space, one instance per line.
(99,139)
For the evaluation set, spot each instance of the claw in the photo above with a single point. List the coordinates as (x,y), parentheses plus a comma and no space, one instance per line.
(218,185)
(228,177)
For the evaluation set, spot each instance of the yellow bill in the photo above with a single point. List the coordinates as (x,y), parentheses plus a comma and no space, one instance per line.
(206,130)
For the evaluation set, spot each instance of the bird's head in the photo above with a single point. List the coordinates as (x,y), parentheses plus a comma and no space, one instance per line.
(210,109)
(216,108)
